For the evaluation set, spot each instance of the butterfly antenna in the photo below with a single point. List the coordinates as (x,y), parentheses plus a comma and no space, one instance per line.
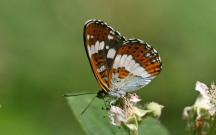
(71,95)
(88,106)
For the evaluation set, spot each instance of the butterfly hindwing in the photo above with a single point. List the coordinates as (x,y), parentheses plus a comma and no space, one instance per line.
(101,44)
(135,65)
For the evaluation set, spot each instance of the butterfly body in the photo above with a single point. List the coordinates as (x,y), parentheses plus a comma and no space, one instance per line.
(119,65)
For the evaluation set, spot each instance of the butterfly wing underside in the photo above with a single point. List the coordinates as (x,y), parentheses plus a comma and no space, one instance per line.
(101,43)
(136,63)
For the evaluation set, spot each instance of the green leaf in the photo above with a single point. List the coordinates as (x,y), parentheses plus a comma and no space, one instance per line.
(151,126)
(95,121)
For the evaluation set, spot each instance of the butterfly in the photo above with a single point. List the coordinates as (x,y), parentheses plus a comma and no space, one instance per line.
(119,65)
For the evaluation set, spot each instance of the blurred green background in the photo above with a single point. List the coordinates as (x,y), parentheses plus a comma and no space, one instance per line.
(42,57)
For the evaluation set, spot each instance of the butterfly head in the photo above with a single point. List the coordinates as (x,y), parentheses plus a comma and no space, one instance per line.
(101,94)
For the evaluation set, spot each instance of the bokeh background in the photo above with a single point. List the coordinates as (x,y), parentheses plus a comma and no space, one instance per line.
(42,57)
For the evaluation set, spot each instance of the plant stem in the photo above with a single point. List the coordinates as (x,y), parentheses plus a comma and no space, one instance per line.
(212,127)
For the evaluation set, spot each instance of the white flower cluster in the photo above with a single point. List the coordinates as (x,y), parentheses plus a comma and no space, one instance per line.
(124,112)
(206,101)
(201,117)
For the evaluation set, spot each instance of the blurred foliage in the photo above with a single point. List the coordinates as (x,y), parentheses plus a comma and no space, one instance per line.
(42,57)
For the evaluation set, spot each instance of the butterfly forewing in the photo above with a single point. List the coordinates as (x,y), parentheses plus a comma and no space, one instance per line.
(135,65)
(101,44)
